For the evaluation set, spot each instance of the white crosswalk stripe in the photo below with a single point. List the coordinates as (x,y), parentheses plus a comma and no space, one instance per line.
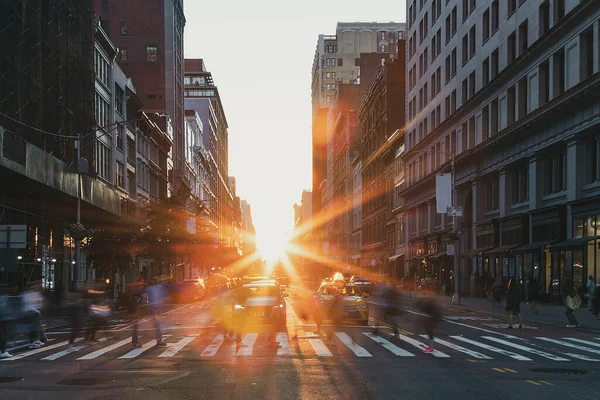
(526,349)
(104,350)
(63,353)
(571,345)
(388,345)
(492,348)
(40,350)
(456,347)
(138,351)
(421,346)
(352,345)
(587,342)
(212,348)
(247,344)
(284,344)
(318,346)
(176,347)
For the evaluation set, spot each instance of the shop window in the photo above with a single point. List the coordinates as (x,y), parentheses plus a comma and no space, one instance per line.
(578,227)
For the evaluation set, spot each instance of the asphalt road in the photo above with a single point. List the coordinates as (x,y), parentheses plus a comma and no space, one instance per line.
(476,358)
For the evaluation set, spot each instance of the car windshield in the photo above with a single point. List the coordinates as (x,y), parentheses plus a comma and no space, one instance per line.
(259,291)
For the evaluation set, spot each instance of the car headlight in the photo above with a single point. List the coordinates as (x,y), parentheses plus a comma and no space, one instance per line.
(238,307)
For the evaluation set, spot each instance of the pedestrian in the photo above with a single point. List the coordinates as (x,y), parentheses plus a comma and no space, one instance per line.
(5,317)
(533,290)
(431,316)
(155,297)
(513,302)
(591,288)
(76,310)
(572,302)
(31,302)
(596,301)
(132,305)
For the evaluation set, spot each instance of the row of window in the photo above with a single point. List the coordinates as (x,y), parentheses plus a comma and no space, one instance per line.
(333,62)
(151,54)
(101,68)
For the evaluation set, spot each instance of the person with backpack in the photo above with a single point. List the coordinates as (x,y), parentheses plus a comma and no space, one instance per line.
(572,302)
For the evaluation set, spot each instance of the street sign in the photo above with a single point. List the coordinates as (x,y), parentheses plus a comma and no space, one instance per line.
(13,236)
(450,249)
(455,211)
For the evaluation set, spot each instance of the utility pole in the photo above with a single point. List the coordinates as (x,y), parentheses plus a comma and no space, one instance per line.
(78,240)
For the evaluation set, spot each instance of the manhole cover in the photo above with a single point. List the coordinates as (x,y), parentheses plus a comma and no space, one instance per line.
(562,371)
(84,381)
(10,379)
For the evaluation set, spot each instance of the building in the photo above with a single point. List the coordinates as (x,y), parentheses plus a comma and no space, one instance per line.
(202,96)
(381,119)
(149,38)
(335,56)
(319,176)
(520,119)
(248,231)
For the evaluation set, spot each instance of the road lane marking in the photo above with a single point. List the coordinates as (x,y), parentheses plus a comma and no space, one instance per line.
(546,383)
(284,343)
(421,346)
(510,370)
(22,346)
(248,344)
(105,350)
(138,351)
(492,348)
(63,353)
(499,370)
(212,348)
(571,345)
(483,329)
(175,347)
(352,345)
(527,349)
(534,383)
(389,345)
(40,350)
(583,341)
(456,347)
(319,347)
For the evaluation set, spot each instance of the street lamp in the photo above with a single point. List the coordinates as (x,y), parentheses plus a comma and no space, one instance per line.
(19,257)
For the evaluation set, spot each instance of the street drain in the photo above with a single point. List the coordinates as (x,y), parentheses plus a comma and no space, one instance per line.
(10,379)
(84,381)
(561,371)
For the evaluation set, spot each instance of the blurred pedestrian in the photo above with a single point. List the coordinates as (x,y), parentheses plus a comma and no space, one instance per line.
(5,317)
(513,302)
(76,310)
(591,288)
(132,305)
(533,291)
(596,301)
(31,303)
(431,317)
(156,298)
(572,302)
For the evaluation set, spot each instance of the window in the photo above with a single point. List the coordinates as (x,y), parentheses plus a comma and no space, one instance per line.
(123,28)
(453,62)
(120,135)
(453,101)
(328,75)
(465,49)
(451,25)
(544,17)
(103,160)
(472,41)
(472,84)
(523,37)
(333,75)
(554,173)
(119,99)
(104,5)
(495,64)
(485,71)
(328,62)
(559,72)
(592,166)
(486,25)
(586,53)
(520,184)
(101,68)
(340,62)
(425,60)
(494,117)
(485,123)
(465,9)
(382,48)
(448,69)
(151,54)
(382,36)
(102,111)
(492,194)
(465,90)
(544,91)
(511,44)
(510,105)
(512,6)
(425,25)
(495,16)
(523,97)
(559,10)
(120,175)
(124,57)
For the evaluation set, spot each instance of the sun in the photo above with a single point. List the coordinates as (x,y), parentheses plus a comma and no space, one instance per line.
(272,246)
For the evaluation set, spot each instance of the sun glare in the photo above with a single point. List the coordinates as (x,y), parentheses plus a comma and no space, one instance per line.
(273,246)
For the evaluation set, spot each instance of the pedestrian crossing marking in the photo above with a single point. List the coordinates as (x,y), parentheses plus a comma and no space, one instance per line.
(527,349)
(284,343)
(421,346)
(571,345)
(40,350)
(138,351)
(492,348)
(63,353)
(459,348)
(499,370)
(212,348)
(389,345)
(319,347)
(534,383)
(583,341)
(352,345)
(175,347)
(546,383)
(247,344)
(105,350)
(22,346)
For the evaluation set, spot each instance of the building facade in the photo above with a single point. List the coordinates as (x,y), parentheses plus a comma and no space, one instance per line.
(520,118)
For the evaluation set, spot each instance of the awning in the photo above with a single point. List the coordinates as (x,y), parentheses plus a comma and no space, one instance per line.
(501,249)
(527,248)
(419,257)
(396,256)
(437,255)
(571,244)
(477,251)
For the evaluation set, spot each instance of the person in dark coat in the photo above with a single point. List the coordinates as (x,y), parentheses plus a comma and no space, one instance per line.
(596,301)
(513,302)
(533,290)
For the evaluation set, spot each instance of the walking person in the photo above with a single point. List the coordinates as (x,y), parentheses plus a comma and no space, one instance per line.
(595,300)
(513,302)
(432,315)
(31,302)
(572,302)
(76,309)
(591,288)
(132,306)
(533,290)
(5,317)
(155,297)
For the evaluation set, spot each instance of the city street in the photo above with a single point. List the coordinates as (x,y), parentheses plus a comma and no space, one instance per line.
(476,357)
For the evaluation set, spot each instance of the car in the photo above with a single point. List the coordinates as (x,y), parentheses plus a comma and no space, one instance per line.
(367,286)
(260,304)
(353,304)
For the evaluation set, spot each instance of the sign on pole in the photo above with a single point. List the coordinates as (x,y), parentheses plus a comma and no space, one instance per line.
(443,192)
(13,236)
(455,211)
(450,249)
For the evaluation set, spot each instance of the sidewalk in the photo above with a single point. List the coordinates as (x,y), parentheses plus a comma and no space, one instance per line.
(550,314)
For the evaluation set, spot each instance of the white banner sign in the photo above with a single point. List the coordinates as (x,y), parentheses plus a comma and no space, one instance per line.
(443,192)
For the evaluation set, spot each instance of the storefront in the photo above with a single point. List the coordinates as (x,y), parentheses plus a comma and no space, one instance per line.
(397,266)
(536,263)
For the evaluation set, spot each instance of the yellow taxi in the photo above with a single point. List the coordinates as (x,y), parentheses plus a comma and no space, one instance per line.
(342,299)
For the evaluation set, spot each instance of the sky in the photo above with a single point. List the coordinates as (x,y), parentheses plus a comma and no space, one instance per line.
(260,54)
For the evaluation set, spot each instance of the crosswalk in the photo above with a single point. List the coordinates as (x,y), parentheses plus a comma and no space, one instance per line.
(212,345)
